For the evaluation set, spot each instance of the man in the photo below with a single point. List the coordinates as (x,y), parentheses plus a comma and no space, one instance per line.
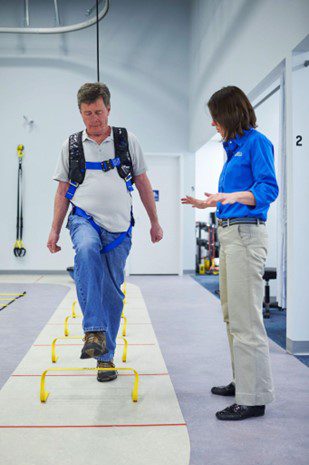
(97,181)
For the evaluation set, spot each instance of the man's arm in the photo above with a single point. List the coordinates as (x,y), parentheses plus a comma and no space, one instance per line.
(146,194)
(61,205)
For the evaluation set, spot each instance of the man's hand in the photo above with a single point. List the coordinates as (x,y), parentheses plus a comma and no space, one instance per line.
(156,232)
(52,242)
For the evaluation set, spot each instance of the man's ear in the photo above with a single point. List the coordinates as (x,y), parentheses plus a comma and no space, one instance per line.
(108,108)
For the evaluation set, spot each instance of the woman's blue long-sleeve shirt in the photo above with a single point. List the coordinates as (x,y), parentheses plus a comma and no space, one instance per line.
(249,167)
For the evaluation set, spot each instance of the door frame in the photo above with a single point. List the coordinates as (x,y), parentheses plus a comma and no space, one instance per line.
(179,156)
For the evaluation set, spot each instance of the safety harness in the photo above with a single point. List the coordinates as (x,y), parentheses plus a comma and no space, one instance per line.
(77,170)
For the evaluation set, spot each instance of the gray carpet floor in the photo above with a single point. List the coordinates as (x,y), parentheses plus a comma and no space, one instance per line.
(188,324)
(189,327)
(23,320)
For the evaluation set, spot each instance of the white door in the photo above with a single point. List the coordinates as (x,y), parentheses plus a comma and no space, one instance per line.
(164,257)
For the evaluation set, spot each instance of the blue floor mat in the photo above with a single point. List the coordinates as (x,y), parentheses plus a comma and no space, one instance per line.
(275,325)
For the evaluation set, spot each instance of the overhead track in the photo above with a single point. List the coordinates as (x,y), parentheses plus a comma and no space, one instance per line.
(58,29)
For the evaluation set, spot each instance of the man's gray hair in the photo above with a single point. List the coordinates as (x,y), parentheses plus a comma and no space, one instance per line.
(91,91)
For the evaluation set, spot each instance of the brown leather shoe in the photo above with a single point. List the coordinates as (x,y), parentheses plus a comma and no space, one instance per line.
(104,376)
(95,345)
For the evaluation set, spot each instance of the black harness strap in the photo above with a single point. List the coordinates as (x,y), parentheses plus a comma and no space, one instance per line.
(122,151)
(77,163)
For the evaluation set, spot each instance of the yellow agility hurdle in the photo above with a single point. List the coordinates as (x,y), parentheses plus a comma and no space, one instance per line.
(14,294)
(11,297)
(54,357)
(44,394)
(124,290)
(66,324)
(125,321)
(73,309)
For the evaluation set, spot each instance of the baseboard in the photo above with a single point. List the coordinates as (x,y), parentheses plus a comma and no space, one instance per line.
(27,272)
(297,347)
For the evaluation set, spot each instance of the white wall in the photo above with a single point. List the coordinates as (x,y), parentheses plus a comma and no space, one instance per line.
(237,42)
(209,161)
(297,316)
(144,60)
(268,123)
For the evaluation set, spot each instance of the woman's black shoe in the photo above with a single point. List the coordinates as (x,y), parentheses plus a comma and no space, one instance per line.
(240,412)
(228,390)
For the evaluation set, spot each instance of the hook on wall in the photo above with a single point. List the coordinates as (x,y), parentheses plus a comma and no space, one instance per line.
(29,123)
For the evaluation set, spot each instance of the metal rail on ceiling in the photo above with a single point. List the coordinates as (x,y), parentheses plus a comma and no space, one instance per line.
(58,29)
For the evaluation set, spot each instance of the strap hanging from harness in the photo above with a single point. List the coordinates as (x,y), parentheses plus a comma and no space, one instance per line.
(112,245)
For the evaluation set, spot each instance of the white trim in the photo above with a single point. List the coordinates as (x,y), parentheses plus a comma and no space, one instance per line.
(181,222)
(290,190)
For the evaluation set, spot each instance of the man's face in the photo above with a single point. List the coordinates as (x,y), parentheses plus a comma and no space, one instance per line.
(95,117)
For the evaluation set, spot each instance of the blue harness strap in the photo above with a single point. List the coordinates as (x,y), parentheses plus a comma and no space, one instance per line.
(112,245)
(71,190)
(128,181)
(105,166)
(80,212)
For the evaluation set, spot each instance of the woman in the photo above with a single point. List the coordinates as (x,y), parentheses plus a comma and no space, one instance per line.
(247,186)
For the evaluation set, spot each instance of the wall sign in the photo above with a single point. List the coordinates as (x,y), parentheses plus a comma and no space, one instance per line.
(299,140)
(156,195)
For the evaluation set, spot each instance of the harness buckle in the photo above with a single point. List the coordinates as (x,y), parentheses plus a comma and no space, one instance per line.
(74,184)
(107,165)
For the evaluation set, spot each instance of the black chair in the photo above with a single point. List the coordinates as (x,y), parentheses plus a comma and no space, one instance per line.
(269,273)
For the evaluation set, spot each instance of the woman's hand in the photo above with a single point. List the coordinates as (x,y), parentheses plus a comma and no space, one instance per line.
(196,203)
(211,200)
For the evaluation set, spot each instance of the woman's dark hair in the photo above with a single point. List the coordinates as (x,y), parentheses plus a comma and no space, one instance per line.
(230,107)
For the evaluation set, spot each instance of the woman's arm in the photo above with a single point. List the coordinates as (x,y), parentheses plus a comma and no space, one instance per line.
(244,197)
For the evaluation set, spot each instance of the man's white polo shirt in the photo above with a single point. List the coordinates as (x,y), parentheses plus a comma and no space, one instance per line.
(103,195)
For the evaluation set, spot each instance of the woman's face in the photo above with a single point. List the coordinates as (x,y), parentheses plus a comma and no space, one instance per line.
(218,127)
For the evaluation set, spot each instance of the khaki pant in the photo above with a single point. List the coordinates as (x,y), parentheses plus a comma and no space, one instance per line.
(243,250)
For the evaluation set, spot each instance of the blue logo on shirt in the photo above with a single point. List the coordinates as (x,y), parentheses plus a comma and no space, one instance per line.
(238,154)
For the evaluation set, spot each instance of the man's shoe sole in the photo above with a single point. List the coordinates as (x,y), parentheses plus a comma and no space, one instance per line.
(108,377)
(92,351)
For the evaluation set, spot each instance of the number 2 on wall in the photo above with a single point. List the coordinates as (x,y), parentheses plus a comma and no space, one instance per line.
(298,141)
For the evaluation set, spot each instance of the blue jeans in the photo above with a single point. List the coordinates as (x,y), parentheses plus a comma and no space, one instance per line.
(98,278)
